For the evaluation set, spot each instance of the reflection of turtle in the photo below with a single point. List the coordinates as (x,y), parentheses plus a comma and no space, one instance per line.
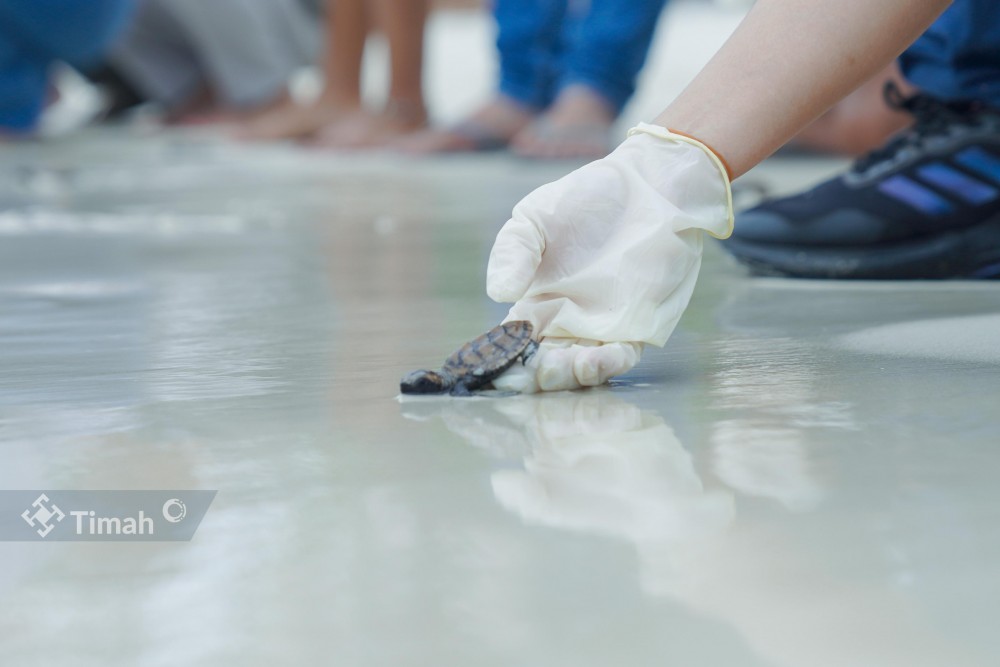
(477,363)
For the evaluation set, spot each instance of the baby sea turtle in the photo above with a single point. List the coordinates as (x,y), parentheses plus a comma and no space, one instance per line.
(477,363)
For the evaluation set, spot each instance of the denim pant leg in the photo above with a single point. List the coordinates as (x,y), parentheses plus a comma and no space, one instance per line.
(528,41)
(36,33)
(76,31)
(958,57)
(607,46)
(22,86)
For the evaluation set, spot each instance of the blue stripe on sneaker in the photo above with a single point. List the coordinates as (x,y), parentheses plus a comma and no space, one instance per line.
(962,185)
(981,162)
(988,271)
(914,195)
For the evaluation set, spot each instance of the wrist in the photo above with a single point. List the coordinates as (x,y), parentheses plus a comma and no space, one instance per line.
(685,172)
(727,137)
(671,134)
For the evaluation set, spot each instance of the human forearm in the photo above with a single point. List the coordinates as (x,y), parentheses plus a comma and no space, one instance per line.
(787,63)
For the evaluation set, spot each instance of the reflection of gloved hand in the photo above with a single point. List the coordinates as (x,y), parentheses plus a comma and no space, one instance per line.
(601,465)
(593,462)
(607,256)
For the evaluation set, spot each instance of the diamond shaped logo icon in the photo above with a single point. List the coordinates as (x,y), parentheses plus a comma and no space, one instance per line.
(43,515)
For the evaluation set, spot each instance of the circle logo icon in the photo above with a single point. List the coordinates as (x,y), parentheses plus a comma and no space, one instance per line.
(174,510)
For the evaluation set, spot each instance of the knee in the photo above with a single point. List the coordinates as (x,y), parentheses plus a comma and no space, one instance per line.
(22,89)
(92,29)
(76,31)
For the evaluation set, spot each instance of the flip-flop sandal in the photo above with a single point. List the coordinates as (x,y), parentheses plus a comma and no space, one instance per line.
(478,136)
(594,137)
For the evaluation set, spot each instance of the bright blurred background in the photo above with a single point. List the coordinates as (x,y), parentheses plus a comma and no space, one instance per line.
(460,70)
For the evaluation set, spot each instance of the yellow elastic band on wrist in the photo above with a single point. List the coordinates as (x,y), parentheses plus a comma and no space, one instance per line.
(724,170)
(725,165)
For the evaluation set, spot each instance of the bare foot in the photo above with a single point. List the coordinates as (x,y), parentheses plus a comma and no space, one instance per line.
(199,104)
(290,122)
(295,121)
(366,129)
(577,125)
(204,109)
(491,127)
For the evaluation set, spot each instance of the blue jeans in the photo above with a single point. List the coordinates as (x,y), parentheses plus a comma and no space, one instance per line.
(546,45)
(958,58)
(34,34)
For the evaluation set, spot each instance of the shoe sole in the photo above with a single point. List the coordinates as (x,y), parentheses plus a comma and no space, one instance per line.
(968,253)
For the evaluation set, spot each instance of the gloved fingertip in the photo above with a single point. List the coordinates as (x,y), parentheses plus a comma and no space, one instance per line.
(587,368)
(555,372)
(509,273)
(595,366)
(513,260)
(552,378)
(504,288)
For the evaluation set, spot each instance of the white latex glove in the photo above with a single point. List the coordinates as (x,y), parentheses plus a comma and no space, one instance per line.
(605,259)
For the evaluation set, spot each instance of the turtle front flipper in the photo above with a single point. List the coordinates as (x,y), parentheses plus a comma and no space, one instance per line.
(529,351)
(461,389)
(426,382)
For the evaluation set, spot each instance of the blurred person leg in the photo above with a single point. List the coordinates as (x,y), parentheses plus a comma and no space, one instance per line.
(23,86)
(346,29)
(156,58)
(606,44)
(249,49)
(927,204)
(34,35)
(529,43)
(218,60)
(402,22)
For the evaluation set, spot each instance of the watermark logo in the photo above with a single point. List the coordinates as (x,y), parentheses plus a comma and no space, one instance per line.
(101,516)
(43,515)
(174,510)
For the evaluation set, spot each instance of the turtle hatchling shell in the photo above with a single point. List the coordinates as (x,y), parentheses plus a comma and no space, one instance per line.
(488,356)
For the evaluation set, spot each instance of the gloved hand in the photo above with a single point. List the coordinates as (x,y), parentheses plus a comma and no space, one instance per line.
(605,259)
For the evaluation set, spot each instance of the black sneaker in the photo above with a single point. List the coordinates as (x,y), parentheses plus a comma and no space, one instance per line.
(926,205)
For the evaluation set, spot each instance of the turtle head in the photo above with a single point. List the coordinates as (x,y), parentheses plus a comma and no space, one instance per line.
(426,382)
